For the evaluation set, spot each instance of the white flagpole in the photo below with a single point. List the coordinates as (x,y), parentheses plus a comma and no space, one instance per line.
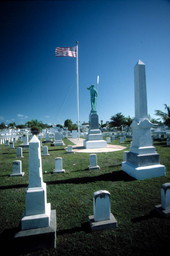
(77,83)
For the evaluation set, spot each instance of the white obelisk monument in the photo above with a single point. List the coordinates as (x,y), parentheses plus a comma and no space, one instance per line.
(142,161)
(39,221)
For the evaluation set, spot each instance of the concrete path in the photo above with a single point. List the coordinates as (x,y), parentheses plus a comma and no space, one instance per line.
(79,148)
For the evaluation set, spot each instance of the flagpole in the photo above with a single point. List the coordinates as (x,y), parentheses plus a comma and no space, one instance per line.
(77,86)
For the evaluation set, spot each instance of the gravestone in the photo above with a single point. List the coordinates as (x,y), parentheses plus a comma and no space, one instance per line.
(58,139)
(164,207)
(102,217)
(11,144)
(19,152)
(38,225)
(108,139)
(25,141)
(122,139)
(142,161)
(93,162)
(58,165)
(69,149)
(17,168)
(45,151)
(74,134)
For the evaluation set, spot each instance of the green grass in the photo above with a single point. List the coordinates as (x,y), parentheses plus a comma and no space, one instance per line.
(141,231)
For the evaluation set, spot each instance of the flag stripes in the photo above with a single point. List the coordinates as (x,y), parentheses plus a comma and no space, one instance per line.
(66,52)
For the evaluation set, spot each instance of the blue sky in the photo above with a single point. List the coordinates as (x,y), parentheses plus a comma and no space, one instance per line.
(113,35)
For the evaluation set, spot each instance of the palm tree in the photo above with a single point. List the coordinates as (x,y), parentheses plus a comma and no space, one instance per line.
(164,115)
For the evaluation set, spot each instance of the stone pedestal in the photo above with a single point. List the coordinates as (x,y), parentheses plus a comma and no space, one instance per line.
(142,161)
(94,137)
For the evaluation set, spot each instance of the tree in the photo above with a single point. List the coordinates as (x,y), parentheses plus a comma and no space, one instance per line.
(35,125)
(68,123)
(117,120)
(128,120)
(164,115)
(2,126)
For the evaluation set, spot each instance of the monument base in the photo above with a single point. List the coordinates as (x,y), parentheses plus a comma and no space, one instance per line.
(105,224)
(35,239)
(95,144)
(144,172)
(58,143)
(37,220)
(159,209)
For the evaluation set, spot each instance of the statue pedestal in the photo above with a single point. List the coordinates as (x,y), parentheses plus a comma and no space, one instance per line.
(94,137)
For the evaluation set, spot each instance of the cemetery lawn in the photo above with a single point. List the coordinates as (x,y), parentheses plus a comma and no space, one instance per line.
(141,230)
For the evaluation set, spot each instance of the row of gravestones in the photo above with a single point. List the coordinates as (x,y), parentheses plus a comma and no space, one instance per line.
(17,164)
(39,219)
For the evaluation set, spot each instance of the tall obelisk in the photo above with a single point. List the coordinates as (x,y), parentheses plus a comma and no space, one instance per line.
(142,161)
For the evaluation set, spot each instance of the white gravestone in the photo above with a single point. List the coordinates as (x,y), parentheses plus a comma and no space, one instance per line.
(17,168)
(19,152)
(93,162)
(11,144)
(102,217)
(58,139)
(164,207)
(69,149)
(45,151)
(38,211)
(122,139)
(108,139)
(58,165)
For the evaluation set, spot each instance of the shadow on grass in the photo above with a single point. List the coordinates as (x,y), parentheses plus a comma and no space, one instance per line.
(84,227)
(13,186)
(114,176)
(152,214)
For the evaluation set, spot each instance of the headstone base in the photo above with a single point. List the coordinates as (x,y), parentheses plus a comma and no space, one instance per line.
(35,239)
(94,167)
(88,144)
(159,209)
(144,172)
(59,171)
(58,143)
(105,224)
(17,174)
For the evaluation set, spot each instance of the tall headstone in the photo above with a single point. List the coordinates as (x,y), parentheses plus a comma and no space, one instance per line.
(102,217)
(142,161)
(39,221)
(94,137)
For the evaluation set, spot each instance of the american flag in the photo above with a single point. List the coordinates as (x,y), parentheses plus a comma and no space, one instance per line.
(66,51)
